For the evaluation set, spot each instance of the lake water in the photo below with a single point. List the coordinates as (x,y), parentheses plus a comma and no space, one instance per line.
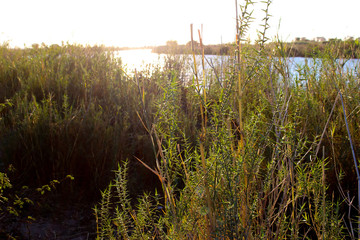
(141,59)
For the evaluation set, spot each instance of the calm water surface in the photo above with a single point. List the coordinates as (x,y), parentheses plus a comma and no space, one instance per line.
(141,59)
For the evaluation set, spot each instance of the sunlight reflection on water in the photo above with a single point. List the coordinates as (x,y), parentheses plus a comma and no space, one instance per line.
(143,59)
(140,59)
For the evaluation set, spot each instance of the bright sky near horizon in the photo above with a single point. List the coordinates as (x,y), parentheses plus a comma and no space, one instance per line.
(153,22)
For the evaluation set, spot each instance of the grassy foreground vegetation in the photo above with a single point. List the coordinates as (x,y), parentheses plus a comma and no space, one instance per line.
(283,170)
(242,151)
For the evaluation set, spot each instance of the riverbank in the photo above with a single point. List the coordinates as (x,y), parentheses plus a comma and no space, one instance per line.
(346,49)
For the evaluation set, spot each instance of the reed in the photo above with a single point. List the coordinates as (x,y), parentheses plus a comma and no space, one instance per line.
(245,150)
(242,160)
(66,110)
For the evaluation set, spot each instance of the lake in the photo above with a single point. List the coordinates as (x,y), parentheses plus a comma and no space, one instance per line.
(141,59)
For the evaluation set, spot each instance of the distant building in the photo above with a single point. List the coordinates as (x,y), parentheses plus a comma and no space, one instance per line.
(304,39)
(349,39)
(319,39)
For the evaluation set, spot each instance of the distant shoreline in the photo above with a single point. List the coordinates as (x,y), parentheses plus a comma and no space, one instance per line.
(307,48)
(347,49)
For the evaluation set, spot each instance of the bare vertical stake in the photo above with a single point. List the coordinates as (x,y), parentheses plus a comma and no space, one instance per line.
(237,17)
(192,38)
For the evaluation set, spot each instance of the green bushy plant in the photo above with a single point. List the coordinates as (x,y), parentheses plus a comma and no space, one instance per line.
(242,160)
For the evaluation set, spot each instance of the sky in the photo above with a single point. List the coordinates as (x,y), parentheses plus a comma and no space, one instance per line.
(135,23)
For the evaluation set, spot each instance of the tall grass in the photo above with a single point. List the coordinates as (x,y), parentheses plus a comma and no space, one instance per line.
(260,154)
(244,150)
(68,110)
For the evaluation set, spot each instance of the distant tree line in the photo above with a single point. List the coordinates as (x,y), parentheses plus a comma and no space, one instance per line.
(175,48)
(346,49)
(349,48)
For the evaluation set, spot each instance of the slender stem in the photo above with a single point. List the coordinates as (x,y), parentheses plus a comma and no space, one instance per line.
(354,157)
(211,215)
(241,142)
